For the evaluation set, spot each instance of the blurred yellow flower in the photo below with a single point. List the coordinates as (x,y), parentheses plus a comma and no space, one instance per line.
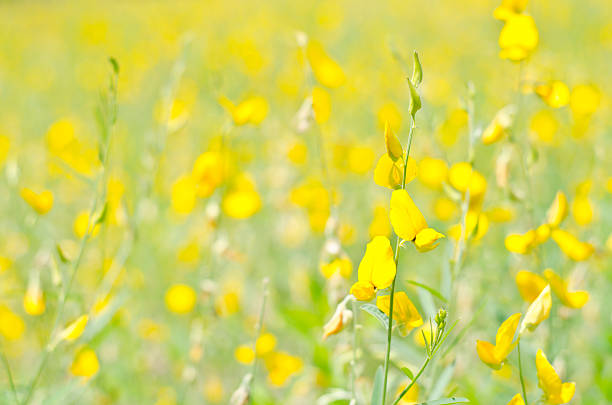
(493,355)
(180,298)
(557,211)
(463,178)
(325,69)
(74,329)
(518,38)
(41,202)
(80,225)
(575,299)
(85,363)
(376,270)
(360,159)
(380,225)
(244,354)
(508,8)
(5,144)
(33,300)
(584,100)
(544,126)
(411,396)
(445,209)
(213,389)
(432,172)
(321,104)
(529,284)
(538,311)
(11,324)
(242,200)
(281,366)
(265,344)
(183,195)
(252,110)
(556,93)
(521,243)
(208,173)
(388,113)
(571,246)
(339,265)
(517,400)
(404,311)
(555,391)
(496,130)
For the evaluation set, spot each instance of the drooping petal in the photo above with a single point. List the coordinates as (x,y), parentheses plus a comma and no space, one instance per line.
(505,336)
(426,239)
(538,311)
(486,352)
(363,290)
(529,284)
(406,219)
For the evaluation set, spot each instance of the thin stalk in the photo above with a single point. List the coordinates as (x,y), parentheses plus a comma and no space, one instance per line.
(416,377)
(521,373)
(7,367)
(259,327)
(397,255)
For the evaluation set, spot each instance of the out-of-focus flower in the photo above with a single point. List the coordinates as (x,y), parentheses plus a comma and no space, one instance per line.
(508,8)
(582,208)
(544,126)
(380,222)
(321,104)
(208,173)
(281,366)
(390,114)
(252,110)
(557,211)
(11,324)
(85,363)
(34,300)
(265,344)
(521,243)
(517,400)
(494,355)
(432,172)
(41,202)
(339,265)
(411,396)
(463,178)
(244,354)
(555,391)
(529,284)
(584,100)
(242,200)
(74,329)
(180,298)
(404,311)
(538,311)
(574,299)
(496,130)
(518,38)
(571,246)
(213,389)
(5,144)
(325,69)
(556,93)
(376,269)
(342,316)
(81,222)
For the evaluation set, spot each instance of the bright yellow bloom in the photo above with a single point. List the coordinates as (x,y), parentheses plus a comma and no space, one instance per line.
(582,210)
(180,298)
(340,265)
(556,93)
(342,316)
(555,391)
(508,8)
(380,223)
(33,300)
(388,173)
(404,311)
(406,219)
(463,178)
(445,208)
(376,270)
(242,201)
(557,211)
(393,145)
(426,239)
(85,363)
(521,244)
(571,246)
(474,221)
(74,329)
(11,324)
(530,285)
(544,126)
(41,202)
(494,355)
(433,172)
(80,225)
(518,38)
(584,100)
(575,299)
(5,144)
(281,366)
(208,173)
(538,311)
(496,130)
(244,354)
(325,69)
(265,344)
(389,113)
(252,110)
(412,395)
(321,104)
(517,400)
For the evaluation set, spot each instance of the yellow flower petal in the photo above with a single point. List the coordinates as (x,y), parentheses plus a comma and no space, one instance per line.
(529,284)
(393,145)
(180,298)
(575,299)
(404,311)
(486,353)
(321,104)
(85,363)
(378,265)
(363,290)
(75,329)
(555,391)
(571,246)
(505,336)
(557,211)
(326,70)
(41,202)
(517,400)
(426,239)
(538,311)
(406,219)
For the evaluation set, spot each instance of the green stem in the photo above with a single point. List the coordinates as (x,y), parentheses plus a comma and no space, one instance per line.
(416,377)
(9,375)
(259,327)
(397,255)
(521,373)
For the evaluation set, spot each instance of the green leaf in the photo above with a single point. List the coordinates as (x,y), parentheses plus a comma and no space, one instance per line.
(417,71)
(377,313)
(378,387)
(446,401)
(415,99)
(433,291)
(115,64)
(102,215)
(408,373)
(61,254)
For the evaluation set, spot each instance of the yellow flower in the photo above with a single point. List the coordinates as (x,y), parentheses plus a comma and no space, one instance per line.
(252,110)
(508,8)
(404,311)
(543,126)
(180,298)
(518,38)
(521,244)
(433,172)
(411,396)
(555,391)
(406,219)
(388,173)
(80,225)
(571,246)
(494,355)
(41,202)
(265,344)
(242,201)
(342,316)
(389,113)
(496,130)
(85,363)
(575,299)
(582,209)
(11,324)
(530,285)
(340,265)
(376,270)
(556,93)
(325,69)
(5,144)
(380,223)
(281,366)
(557,211)
(208,173)
(33,300)
(74,329)
(538,311)
(445,208)
(393,145)
(244,354)
(321,104)
(183,197)
(584,100)
(426,239)
(517,400)
(463,178)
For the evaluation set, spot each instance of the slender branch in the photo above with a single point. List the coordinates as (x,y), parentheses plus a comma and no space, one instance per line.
(397,255)
(7,367)
(521,373)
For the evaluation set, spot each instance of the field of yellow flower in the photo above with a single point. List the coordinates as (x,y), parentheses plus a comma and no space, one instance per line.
(328,202)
